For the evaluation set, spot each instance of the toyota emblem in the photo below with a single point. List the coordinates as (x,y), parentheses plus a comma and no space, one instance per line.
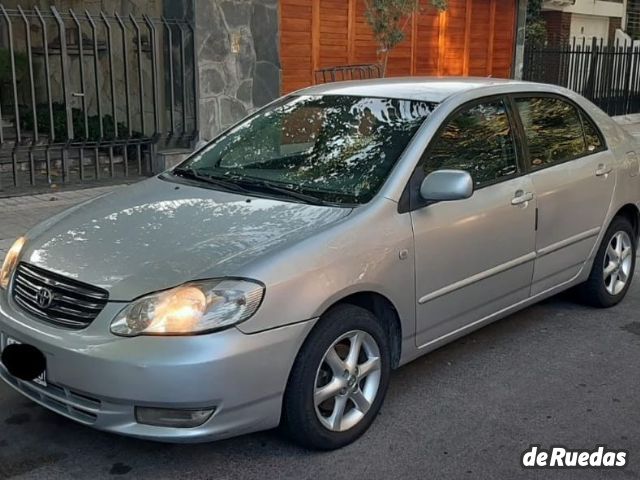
(44,297)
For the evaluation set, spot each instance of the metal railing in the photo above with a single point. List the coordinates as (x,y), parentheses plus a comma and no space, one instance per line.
(88,96)
(347,72)
(608,75)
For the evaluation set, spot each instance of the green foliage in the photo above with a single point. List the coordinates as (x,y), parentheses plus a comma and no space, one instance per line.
(388,20)
(20,60)
(534,7)
(536,32)
(6,74)
(441,5)
(60,124)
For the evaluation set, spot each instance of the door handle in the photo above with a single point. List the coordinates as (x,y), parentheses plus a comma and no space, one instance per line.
(521,198)
(603,170)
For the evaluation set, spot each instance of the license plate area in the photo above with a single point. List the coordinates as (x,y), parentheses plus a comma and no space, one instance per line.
(40,379)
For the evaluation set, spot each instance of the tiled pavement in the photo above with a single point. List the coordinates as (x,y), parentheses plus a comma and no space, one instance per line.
(19,214)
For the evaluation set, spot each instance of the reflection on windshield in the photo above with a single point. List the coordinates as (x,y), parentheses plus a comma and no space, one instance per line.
(335,148)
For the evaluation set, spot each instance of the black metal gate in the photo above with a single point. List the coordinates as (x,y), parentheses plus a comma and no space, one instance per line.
(608,75)
(85,96)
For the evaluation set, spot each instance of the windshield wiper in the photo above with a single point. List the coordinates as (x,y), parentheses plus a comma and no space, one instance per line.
(192,174)
(247,185)
(269,187)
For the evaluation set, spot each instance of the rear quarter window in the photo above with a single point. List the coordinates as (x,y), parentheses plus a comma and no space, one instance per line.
(592,136)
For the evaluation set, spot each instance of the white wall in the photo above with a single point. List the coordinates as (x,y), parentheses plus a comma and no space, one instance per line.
(589,7)
(623,39)
(589,26)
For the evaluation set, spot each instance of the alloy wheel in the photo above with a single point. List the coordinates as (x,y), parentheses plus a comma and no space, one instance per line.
(347,381)
(618,261)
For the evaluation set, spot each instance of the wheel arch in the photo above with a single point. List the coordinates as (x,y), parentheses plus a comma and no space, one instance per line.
(632,213)
(385,311)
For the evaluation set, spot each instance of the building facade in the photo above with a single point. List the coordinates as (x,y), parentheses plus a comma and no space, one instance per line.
(582,20)
(632,19)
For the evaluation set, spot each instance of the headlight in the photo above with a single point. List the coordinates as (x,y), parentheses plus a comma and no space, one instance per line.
(195,307)
(11,261)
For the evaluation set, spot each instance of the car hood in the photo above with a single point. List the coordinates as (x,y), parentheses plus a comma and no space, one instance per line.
(157,234)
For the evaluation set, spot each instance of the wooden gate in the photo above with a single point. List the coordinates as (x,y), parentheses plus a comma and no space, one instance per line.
(473,37)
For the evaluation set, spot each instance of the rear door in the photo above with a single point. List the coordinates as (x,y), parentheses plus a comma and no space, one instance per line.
(573,177)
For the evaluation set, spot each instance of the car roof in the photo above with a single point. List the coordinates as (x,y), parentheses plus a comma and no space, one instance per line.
(431,89)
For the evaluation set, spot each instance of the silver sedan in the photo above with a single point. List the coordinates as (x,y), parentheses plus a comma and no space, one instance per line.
(280,273)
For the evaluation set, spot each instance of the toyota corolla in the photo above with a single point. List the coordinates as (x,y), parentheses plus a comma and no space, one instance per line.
(279,274)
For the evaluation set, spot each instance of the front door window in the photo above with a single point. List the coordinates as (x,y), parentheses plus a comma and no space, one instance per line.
(479,140)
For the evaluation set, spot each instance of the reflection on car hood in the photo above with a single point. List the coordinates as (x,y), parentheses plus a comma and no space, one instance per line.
(156,234)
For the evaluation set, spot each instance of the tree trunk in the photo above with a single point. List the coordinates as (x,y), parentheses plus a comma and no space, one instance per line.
(384,61)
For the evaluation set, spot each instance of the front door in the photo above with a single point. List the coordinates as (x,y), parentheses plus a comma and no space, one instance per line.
(474,257)
(572,173)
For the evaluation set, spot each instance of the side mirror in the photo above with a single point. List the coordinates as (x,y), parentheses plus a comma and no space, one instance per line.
(447,185)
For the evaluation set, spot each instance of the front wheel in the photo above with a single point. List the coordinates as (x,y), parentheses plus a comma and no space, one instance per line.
(613,266)
(338,381)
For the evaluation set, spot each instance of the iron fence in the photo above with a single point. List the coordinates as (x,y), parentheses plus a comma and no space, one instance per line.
(608,75)
(88,96)
(347,72)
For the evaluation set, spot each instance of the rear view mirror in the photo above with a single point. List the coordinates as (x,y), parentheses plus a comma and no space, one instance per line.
(447,185)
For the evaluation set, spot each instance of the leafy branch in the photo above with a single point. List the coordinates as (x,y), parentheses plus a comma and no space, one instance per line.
(388,20)
(536,31)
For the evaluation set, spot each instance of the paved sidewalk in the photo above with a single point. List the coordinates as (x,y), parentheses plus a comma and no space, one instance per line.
(631,123)
(19,214)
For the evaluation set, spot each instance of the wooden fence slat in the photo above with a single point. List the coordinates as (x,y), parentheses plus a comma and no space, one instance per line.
(467,37)
(492,28)
(475,37)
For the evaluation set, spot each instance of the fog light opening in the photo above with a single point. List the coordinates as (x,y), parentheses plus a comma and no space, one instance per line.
(166,417)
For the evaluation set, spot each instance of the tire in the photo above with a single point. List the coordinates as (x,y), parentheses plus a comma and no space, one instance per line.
(318,426)
(602,290)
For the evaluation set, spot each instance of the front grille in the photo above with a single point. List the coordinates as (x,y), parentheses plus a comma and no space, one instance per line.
(57,299)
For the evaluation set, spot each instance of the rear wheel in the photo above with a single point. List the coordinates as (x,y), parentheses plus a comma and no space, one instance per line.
(613,266)
(339,380)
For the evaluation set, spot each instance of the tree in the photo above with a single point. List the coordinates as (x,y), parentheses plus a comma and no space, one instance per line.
(536,32)
(388,20)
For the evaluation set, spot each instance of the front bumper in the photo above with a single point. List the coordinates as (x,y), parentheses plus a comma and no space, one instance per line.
(98,379)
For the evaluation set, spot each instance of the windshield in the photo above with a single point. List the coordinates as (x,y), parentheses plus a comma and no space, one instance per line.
(337,149)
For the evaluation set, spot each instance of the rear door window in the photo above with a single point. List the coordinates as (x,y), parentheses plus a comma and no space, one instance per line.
(556,131)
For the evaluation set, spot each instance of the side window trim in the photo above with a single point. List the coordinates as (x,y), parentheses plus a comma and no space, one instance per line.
(410,201)
(586,119)
(519,134)
(582,116)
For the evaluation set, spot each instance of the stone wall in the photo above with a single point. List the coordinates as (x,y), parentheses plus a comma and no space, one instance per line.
(239,65)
